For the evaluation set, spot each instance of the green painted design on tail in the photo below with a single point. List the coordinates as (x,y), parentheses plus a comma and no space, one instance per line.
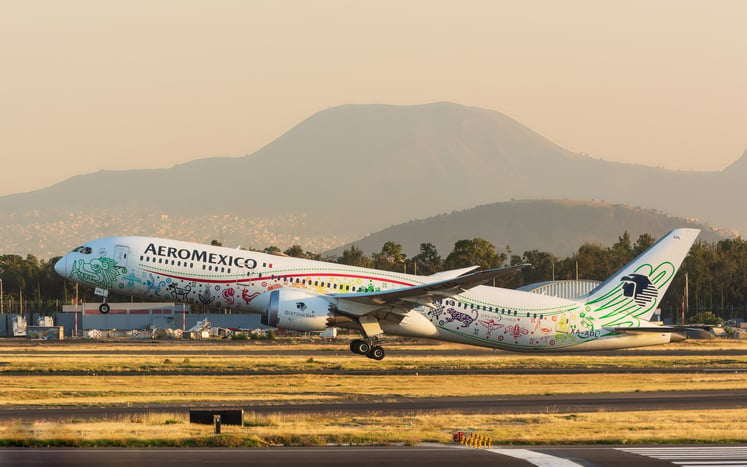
(630,297)
(621,307)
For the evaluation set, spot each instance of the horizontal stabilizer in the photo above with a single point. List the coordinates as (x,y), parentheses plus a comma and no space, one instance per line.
(692,331)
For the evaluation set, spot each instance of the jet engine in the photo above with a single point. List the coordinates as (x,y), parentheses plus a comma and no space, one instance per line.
(297,310)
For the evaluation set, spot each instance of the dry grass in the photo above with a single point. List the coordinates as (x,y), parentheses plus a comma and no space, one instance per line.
(538,428)
(718,426)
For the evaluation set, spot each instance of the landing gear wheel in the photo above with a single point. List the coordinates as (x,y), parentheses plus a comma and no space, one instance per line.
(104,308)
(359,346)
(376,353)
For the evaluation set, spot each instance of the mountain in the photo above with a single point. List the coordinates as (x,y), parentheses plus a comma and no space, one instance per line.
(351,170)
(555,226)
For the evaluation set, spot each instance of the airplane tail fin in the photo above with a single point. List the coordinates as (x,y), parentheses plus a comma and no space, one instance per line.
(632,294)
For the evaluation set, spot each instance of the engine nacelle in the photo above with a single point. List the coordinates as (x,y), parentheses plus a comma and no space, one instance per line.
(297,310)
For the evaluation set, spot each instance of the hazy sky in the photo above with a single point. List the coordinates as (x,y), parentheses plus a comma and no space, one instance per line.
(95,84)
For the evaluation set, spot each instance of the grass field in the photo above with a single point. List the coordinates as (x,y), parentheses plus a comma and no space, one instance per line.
(34,375)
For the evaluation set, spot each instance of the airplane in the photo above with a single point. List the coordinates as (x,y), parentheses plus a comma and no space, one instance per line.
(311,296)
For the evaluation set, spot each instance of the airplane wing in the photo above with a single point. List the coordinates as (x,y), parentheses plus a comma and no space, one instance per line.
(451,274)
(359,304)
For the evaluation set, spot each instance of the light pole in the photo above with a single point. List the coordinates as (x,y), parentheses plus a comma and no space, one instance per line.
(2,310)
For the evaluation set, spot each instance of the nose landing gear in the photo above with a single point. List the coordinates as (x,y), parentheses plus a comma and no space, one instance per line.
(104,307)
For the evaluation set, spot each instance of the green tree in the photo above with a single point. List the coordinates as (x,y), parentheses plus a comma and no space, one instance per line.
(390,258)
(621,252)
(644,242)
(542,269)
(354,256)
(32,280)
(295,251)
(705,317)
(593,262)
(477,251)
(700,265)
(731,272)
(428,261)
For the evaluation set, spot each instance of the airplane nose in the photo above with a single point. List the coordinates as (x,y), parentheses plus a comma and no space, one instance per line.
(60,266)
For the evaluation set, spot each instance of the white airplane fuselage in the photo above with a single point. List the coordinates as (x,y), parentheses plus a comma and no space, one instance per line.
(313,295)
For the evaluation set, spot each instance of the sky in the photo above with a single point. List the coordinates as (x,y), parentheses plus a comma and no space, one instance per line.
(88,85)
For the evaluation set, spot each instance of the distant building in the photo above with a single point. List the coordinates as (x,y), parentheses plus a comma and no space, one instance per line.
(155,315)
(562,289)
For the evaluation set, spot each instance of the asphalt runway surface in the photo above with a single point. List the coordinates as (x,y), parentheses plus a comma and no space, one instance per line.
(417,456)
(616,402)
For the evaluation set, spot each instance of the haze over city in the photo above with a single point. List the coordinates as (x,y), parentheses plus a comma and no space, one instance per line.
(90,85)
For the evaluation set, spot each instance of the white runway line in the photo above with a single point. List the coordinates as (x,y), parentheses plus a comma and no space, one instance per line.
(705,456)
(536,458)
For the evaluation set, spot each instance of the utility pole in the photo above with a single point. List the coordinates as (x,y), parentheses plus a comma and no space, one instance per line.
(686,308)
(75,313)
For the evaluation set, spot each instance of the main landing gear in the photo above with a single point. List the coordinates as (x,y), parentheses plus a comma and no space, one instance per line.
(364,347)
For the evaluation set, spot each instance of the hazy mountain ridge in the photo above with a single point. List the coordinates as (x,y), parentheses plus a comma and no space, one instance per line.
(354,169)
(557,226)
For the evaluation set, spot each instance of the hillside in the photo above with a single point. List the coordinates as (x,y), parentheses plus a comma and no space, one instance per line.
(351,170)
(557,226)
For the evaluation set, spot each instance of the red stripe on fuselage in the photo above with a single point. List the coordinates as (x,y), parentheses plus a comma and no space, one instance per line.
(278,277)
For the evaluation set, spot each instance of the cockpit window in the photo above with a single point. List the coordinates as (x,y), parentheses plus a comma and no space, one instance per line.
(86,250)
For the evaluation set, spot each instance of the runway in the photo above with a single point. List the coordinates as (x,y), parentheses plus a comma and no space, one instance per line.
(417,456)
(613,402)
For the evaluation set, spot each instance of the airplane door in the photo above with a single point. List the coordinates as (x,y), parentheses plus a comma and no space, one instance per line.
(120,255)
